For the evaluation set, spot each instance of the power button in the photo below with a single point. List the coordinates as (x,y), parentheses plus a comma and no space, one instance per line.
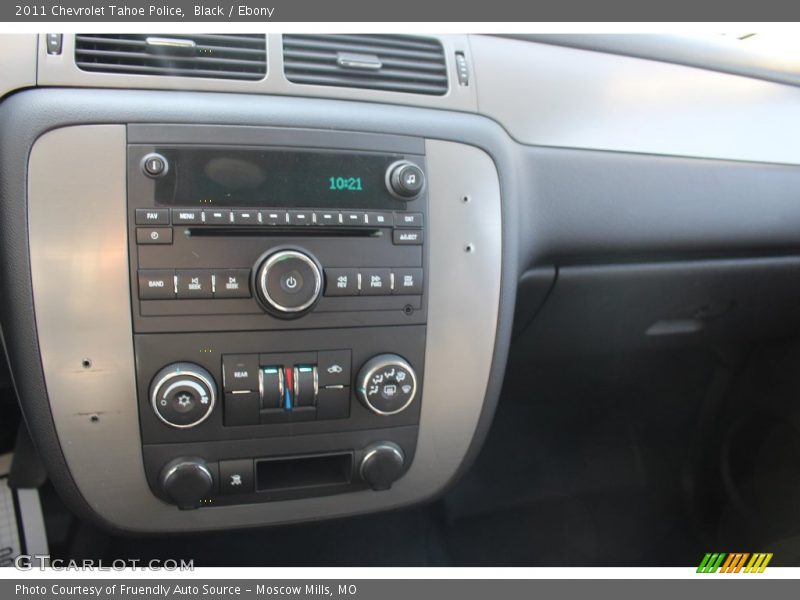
(288,282)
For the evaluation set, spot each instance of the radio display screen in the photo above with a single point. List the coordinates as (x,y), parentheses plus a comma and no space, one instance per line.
(275,178)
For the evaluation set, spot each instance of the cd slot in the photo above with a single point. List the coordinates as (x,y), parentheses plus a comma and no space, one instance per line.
(320,232)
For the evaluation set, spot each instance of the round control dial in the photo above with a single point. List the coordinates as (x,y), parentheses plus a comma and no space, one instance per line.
(183,395)
(186,481)
(405,180)
(382,465)
(387,384)
(288,282)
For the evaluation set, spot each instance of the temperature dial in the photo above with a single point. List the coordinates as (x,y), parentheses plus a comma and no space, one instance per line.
(183,395)
(387,384)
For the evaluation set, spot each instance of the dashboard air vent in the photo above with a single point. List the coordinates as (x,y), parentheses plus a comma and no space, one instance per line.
(195,55)
(394,63)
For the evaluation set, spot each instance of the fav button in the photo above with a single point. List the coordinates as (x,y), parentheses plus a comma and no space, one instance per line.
(152,216)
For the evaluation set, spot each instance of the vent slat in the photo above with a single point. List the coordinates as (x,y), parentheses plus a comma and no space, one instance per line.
(119,44)
(408,64)
(388,74)
(212,56)
(148,58)
(175,72)
(335,45)
(330,58)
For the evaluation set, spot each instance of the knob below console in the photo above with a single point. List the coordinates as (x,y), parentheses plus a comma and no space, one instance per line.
(183,395)
(186,481)
(405,180)
(386,384)
(288,282)
(382,465)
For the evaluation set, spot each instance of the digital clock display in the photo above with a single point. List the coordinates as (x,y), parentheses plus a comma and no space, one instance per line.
(226,177)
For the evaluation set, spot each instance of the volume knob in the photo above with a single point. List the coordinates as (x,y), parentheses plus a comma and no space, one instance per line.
(288,282)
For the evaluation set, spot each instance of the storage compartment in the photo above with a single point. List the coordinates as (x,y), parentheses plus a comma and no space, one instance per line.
(303,471)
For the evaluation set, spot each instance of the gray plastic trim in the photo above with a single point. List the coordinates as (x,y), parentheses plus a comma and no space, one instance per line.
(17,61)
(557,96)
(82,307)
(61,70)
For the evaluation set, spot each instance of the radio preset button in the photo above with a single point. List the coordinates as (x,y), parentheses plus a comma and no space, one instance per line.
(187,216)
(232,283)
(152,216)
(326,217)
(341,282)
(156,285)
(301,217)
(273,217)
(376,282)
(356,218)
(408,219)
(407,282)
(194,284)
(153,235)
(217,217)
(407,237)
(245,217)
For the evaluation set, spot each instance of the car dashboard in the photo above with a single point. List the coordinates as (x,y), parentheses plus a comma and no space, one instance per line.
(255,280)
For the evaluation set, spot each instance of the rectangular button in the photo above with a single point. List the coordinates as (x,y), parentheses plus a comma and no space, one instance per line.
(245,217)
(157,285)
(219,216)
(350,217)
(408,219)
(232,283)
(152,216)
(273,217)
(194,284)
(240,372)
(333,367)
(375,282)
(326,217)
(407,282)
(153,235)
(341,282)
(407,237)
(333,403)
(187,216)
(379,219)
(236,476)
(301,217)
(241,409)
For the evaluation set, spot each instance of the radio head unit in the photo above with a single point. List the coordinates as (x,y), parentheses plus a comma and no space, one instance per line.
(280,313)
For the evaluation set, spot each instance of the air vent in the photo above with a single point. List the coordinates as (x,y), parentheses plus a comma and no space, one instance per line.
(377,62)
(213,56)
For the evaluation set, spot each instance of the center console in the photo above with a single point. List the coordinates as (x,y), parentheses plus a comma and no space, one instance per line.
(278,291)
(236,311)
